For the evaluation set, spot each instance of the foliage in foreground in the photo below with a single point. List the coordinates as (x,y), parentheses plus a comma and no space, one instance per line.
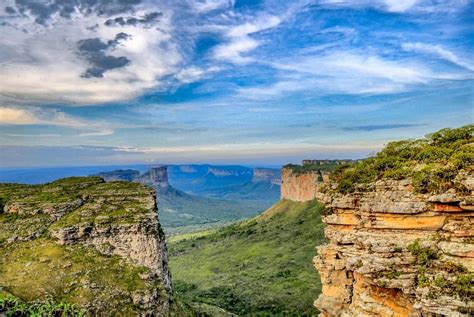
(432,162)
(15,307)
(261,266)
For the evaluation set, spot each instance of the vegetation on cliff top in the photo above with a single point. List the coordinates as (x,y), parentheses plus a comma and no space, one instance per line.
(306,168)
(432,163)
(261,266)
(38,270)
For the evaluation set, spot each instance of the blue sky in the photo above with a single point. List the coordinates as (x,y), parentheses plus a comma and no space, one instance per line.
(220,81)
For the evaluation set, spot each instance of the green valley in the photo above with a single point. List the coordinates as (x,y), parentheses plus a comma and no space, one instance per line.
(260,266)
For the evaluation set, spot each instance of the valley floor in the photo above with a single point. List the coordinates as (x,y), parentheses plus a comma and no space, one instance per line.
(259,266)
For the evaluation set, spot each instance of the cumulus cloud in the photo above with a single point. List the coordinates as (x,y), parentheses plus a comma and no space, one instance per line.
(45,11)
(52,54)
(94,51)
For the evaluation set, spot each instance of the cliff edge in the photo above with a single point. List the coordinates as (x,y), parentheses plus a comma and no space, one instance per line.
(401,231)
(83,241)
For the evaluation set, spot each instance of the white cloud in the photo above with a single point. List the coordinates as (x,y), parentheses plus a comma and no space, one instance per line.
(42,116)
(343,72)
(204,6)
(440,52)
(239,41)
(192,73)
(399,5)
(43,64)
(17,116)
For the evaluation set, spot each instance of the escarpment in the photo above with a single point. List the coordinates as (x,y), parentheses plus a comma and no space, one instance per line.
(400,229)
(304,183)
(395,253)
(83,241)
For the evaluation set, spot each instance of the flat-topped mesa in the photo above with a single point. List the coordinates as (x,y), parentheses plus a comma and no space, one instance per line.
(81,240)
(119,175)
(304,182)
(266,175)
(401,239)
(156,176)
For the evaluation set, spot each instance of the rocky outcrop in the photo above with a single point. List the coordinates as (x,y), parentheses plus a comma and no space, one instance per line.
(392,252)
(156,176)
(100,243)
(299,186)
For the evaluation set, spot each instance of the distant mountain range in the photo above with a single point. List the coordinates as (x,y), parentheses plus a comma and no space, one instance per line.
(222,193)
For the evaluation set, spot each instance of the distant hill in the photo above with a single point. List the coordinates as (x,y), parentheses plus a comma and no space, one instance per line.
(227,182)
(262,266)
(179,210)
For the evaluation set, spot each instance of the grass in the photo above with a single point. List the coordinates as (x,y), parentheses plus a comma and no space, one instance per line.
(181,212)
(41,269)
(431,163)
(260,266)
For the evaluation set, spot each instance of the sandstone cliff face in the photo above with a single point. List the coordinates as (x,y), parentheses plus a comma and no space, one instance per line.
(395,253)
(300,186)
(88,242)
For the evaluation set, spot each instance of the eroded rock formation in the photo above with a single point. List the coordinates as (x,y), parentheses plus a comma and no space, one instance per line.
(392,252)
(88,242)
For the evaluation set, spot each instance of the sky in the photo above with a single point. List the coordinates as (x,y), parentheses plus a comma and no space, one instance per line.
(102,82)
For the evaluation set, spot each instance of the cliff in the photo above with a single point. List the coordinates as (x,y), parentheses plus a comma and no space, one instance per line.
(395,253)
(299,186)
(400,230)
(304,182)
(83,241)
(156,176)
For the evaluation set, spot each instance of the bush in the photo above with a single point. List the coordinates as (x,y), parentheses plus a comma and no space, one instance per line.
(440,156)
(13,306)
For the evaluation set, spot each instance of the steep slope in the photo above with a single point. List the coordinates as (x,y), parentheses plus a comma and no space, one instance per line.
(260,266)
(400,227)
(83,241)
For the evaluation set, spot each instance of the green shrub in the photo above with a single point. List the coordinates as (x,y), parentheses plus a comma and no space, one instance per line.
(424,255)
(13,306)
(432,162)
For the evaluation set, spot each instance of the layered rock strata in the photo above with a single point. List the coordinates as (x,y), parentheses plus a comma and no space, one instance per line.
(392,252)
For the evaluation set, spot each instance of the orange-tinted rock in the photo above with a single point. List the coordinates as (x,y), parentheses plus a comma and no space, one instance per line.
(368,268)
(299,187)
